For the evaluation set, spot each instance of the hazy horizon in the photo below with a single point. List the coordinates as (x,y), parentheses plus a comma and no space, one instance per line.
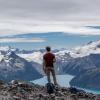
(56,40)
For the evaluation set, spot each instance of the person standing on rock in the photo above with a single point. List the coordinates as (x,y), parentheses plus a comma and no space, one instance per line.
(48,65)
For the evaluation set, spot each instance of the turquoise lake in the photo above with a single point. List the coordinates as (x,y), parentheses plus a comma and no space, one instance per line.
(63,80)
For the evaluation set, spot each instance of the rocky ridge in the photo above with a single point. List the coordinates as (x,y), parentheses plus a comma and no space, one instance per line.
(27,91)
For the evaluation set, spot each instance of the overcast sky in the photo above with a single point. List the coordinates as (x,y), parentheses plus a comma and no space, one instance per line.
(69,16)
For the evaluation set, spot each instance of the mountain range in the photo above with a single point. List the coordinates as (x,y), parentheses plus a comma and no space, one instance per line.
(82,62)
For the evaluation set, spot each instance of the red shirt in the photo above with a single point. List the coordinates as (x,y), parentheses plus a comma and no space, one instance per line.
(49,59)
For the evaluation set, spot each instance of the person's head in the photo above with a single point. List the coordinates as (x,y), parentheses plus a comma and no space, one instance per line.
(48,49)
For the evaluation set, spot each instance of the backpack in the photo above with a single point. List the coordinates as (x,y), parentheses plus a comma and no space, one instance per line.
(50,88)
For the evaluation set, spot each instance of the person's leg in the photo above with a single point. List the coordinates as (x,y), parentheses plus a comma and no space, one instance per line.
(48,75)
(54,76)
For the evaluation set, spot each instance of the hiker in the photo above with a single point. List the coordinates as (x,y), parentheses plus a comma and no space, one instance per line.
(48,65)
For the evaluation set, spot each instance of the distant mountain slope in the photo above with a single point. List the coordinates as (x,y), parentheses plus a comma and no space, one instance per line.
(79,65)
(90,79)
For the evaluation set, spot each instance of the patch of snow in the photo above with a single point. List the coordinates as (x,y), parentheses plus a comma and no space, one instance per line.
(1,57)
(35,56)
(62,52)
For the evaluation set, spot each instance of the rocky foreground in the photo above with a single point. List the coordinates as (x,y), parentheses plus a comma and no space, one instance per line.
(27,91)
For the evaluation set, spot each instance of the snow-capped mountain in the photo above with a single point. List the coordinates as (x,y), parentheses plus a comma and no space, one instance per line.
(14,67)
(6,50)
(85,50)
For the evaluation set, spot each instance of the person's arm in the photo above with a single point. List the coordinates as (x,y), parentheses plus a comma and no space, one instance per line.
(43,64)
(54,59)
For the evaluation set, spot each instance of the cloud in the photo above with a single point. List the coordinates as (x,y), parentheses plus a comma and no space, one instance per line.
(22,28)
(69,16)
(21,40)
